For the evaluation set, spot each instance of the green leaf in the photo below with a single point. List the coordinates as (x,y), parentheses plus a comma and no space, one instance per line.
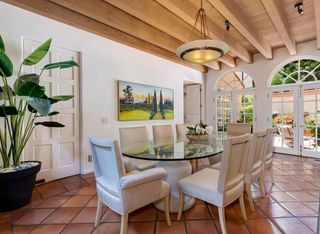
(53,113)
(6,92)
(61,65)
(2,48)
(5,65)
(50,124)
(8,110)
(31,109)
(38,54)
(22,79)
(31,89)
(41,105)
(56,99)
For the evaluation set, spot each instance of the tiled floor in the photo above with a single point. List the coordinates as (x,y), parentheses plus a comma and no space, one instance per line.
(69,205)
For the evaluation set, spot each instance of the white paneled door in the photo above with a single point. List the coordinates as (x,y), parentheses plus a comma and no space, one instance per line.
(57,148)
(193,104)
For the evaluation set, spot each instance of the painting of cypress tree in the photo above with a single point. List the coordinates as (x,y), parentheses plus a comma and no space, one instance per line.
(144,102)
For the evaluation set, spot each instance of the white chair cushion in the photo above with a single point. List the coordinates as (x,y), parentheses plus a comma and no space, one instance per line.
(141,165)
(203,185)
(216,166)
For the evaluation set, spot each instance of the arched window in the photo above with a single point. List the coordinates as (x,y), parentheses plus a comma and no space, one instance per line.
(234,99)
(298,71)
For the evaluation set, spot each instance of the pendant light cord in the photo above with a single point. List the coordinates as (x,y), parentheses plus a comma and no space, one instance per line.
(202,17)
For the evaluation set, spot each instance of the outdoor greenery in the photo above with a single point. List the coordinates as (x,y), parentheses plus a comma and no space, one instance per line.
(246,111)
(292,69)
(150,108)
(24,104)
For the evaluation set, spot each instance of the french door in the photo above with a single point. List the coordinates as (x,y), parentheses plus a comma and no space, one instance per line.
(295,113)
(234,107)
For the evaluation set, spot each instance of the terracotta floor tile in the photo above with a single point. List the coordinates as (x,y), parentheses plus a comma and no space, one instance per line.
(274,210)
(48,229)
(23,229)
(250,214)
(230,212)
(35,216)
(147,213)
(78,228)
(162,217)
(282,197)
(196,227)
(302,196)
(51,189)
(298,209)
(177,227)
(73,182)
(110,228)
(233,226)
(86,215)
(53,202)
(62,215)
(141,227)
(312,205)
(16,214)
(87,191)
(5,228)
(77,201)
(93,202)
(315,193)
(197,212)
(262,226)
(292,225)
(287,186)
(311,222)
(110,216)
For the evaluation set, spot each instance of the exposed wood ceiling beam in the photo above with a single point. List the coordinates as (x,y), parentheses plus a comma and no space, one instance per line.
(239,20)
(214,65)
(61,14)
(186,11)
(157,16)
(317,16)
(108,14)
(228,60)
(280,22)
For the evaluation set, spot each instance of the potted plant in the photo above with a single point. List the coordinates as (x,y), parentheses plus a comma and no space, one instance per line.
(22,105)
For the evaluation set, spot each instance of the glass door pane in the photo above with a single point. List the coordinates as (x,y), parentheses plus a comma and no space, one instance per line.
(223,114)
(284,119)
(245,105)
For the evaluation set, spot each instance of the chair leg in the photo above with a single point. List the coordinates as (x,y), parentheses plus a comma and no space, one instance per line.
(261,185)
(167,209)
(249,193)
(197,165)
(124,224)
(222,220)
(98,214)
(271,175)
(181,204)
(243,208)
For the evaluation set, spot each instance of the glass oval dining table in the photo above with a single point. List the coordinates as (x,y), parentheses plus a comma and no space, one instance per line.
(174,156)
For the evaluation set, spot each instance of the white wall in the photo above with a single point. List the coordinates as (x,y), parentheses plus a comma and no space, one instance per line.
(260,71)
(103,62)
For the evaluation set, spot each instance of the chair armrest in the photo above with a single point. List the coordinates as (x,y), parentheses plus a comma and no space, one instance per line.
(142,177)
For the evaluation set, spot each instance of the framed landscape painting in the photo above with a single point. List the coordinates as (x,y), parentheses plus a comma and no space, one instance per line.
(144,102)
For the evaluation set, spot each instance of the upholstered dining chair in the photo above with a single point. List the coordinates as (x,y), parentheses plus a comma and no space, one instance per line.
(224,186)
(134,138)
(121,192)
(181,131)
(269,154)
(236,129)
(161,133)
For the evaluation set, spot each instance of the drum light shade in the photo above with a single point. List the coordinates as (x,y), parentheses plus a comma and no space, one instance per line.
(202,51)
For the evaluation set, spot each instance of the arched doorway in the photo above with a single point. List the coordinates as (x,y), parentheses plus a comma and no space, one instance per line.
(234,99)
(294,94)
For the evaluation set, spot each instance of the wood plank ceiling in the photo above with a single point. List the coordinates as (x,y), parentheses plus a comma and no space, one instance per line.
(160,26)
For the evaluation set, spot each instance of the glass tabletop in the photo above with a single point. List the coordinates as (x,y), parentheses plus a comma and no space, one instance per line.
(173,150)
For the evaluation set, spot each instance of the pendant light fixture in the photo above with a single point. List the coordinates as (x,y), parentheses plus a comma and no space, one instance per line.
(203,50)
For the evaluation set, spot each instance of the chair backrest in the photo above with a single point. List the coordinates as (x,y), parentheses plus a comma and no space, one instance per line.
(233,162)
(162,132)
(181,130)
(270,141)
(107,164)
(133,138)
(236,129)
(257,151)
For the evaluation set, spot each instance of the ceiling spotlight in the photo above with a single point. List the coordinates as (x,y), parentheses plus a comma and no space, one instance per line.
(299,7)
(227,24)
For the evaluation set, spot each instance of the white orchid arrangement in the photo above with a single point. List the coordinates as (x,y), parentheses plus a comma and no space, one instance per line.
(199,129)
